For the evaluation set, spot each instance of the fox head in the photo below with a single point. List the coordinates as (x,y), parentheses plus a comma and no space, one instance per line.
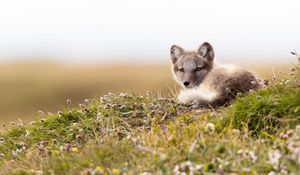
(190,67)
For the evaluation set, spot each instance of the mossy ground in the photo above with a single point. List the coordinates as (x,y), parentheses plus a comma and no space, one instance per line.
(130,134)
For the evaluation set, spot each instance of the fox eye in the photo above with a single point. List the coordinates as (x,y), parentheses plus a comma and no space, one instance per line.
(198,69)
(181,70)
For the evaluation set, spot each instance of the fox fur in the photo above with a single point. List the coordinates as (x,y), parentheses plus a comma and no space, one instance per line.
(206,83)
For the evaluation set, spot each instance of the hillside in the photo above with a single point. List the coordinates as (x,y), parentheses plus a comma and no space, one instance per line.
(130,134)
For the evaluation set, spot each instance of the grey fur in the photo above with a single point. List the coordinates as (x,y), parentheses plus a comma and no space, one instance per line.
(205,83)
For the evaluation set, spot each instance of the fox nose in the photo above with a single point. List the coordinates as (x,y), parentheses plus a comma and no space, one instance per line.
(186,83)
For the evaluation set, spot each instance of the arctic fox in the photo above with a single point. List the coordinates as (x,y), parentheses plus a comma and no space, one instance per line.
(206,83)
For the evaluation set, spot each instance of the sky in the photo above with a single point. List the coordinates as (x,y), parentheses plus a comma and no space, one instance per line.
(114,31)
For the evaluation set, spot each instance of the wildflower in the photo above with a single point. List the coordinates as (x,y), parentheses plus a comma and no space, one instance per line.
(19,150)
(115,171)
(290,132)
(67,147)
(99,170)
(185,166)
(87,101)
(246,153)
(252,156)
(209,127)
(123,95)
(176,170)
(32,123)
(274,158)
(101,99)
(75,150)
(283,136)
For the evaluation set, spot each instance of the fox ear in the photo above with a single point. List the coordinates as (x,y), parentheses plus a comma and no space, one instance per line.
(176,52)
(206,51)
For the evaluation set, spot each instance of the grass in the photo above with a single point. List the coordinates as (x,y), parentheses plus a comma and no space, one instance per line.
(28,88)
(268,109)
(153,134)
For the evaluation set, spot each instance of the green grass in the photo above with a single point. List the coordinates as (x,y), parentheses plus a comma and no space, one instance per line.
(132,134)
(266,110)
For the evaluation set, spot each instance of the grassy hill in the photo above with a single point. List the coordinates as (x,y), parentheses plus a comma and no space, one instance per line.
(26,88)
(151,134)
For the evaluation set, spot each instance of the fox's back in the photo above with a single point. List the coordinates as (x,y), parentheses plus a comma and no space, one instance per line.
(230,77)
(229,80)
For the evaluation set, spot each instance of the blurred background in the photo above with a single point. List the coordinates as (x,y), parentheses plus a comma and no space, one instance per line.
(51,51)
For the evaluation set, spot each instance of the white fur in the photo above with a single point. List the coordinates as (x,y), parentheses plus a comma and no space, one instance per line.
(230,68)
(192,95)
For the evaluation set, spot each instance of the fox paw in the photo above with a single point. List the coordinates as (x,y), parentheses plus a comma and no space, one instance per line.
(199,104)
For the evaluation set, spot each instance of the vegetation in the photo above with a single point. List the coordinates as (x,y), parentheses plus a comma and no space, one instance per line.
(131,134)
(30,87)
(26,88)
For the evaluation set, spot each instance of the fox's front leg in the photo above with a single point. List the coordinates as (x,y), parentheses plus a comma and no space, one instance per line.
(197,103)
(200,103)
(193,97)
